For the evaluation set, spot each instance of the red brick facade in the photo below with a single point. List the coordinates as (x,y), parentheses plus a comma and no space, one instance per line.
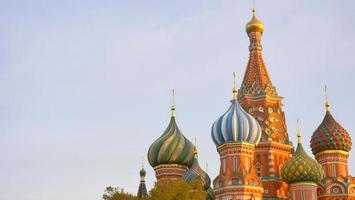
(170,171)
(237,178)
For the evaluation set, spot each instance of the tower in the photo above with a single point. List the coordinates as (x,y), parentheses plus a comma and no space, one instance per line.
(235,134)
(259,97)
(142,190)
(302,173)
(331,145)
(172,153)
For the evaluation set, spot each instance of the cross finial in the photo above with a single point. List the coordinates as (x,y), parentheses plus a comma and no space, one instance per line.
(235,92)
(254,11)
(327,104)
(142,162)
(173,98)
(173,109)
(299,140)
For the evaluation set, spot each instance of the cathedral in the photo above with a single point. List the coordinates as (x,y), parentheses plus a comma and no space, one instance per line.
(257,159)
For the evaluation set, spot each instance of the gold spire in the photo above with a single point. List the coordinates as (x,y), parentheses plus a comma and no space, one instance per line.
(254,25)
(299,139)
(235,91)
(327,104)
(173,108)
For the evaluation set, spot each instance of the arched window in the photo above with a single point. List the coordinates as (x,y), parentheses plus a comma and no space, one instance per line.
(258,168)
(270,110)
(235,164)
(224,165)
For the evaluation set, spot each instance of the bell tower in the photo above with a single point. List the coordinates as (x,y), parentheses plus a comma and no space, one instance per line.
(259,97)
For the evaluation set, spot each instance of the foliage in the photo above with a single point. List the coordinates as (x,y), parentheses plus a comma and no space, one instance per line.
(115,193)
(163,190)
(177,190)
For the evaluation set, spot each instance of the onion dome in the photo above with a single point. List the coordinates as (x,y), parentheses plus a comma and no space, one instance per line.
(254,25)
(142,189)
(196,173)
(301,167)
(172,147)
(236,125)
(330,135)
(142,172)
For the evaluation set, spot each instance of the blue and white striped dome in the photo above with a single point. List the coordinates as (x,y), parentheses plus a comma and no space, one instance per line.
(236,125)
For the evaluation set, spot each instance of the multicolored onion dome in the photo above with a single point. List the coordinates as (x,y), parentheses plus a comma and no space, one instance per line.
(330,135)
(301,167)
(236,125)
(254,25)
(172,147)
(196,173)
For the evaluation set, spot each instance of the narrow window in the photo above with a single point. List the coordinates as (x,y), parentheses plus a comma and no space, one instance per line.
(235,164)
(224,165)
(334,172)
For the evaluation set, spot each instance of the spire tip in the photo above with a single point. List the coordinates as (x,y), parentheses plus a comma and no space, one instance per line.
(299,140)
(173,108)
(235,91)
(327,104)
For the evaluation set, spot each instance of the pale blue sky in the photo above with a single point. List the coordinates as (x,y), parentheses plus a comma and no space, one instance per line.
(85,85)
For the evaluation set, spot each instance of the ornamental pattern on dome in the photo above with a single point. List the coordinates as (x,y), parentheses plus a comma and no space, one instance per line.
(196,173)
(171,148)
(301,167)
(236,125)
(330,135)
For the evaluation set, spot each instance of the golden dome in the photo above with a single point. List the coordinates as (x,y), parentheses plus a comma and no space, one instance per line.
(254,25)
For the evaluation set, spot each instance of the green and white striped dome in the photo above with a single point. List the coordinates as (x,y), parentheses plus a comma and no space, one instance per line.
(172,147)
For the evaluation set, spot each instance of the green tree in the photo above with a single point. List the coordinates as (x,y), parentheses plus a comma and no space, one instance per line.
(163,190)
(177,190)
(115,193)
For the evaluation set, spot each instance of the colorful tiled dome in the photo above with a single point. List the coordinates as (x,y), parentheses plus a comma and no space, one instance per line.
(330,135)
(301,167)
(236,125)
(172,147)
(196,173)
